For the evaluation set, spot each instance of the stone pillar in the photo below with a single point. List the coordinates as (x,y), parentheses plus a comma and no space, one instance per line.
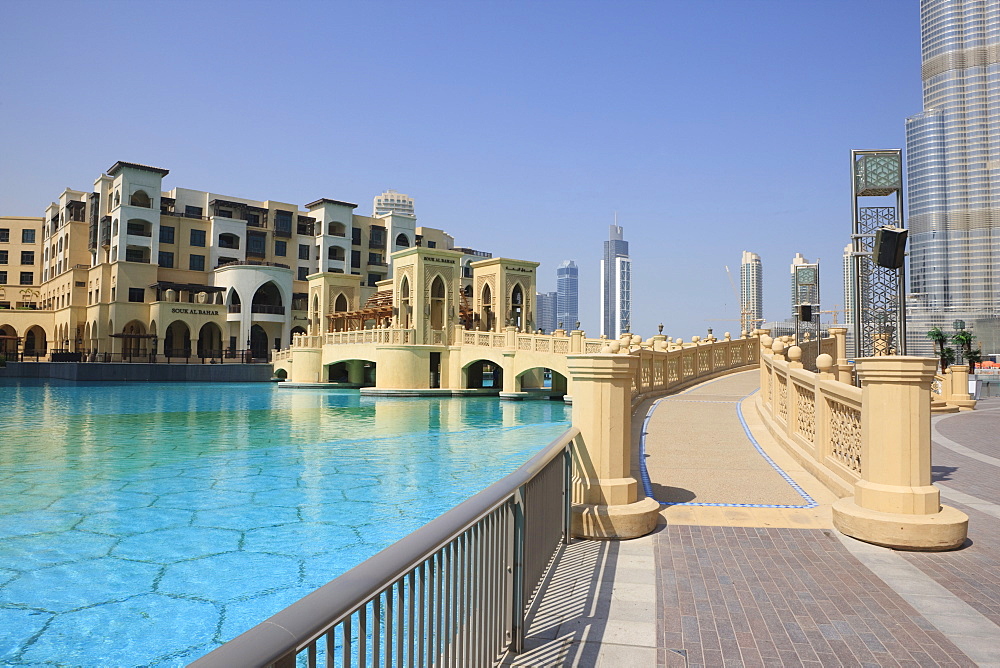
(606,497)
(356,372)
(402,368)
(894,502)
(845,371)
(307,365)
(957,392)
(576,341)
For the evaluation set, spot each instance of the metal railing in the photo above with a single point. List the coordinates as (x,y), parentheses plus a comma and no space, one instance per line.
(452,593)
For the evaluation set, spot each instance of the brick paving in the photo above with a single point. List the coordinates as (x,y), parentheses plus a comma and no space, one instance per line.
(747,596)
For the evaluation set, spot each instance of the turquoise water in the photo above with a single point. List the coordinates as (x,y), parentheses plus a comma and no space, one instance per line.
(145,524)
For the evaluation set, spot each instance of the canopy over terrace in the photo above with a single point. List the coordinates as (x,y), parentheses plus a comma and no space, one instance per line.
(377,308)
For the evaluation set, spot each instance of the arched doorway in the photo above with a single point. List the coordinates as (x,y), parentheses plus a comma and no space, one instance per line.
(486,318)
(437,304)
(209,340)
(405,305)
(133,339)
(517,306)
(314,322)
(258,342)
(177,341)
(34,342)
(8,341)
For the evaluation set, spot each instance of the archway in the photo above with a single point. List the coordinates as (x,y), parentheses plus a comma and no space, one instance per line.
(486,308)
(298,330)
(140,198)
(210,340)
(402,241)
(314,319)
(133,339)
(404,303)
(437,303)
(34,341)
(267,299)
(233,301)
(542,380)
(8,340)
(177,340)
(517,306)
(483,374)
(258,342)
(357,372)
(340,305)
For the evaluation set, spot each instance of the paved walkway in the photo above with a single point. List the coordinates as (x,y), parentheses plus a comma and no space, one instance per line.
(746,569)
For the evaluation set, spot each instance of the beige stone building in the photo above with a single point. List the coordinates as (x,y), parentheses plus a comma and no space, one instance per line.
(128,269)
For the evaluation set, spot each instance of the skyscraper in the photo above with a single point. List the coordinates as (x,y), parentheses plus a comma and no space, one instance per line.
(953,171)
(392,202)
(805,282)
(546,314)
(850,285)
(568,291)
(751,291)
(616,286)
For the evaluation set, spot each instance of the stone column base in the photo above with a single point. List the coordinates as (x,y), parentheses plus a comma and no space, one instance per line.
(943,530)
(615,522)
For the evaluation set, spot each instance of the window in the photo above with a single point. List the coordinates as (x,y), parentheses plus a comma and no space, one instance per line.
(256,244)
(27,257)
(135,255)
(303,251)
(114,293)
(197,263)
(356,236)
(136,228)
(303,273)
(193,211)
(166,234)
(432,244)
(27,236)
(3,257)
(227,240)
(224,213)
(253,219)
(140,198)
(3,277)
(375,258)
(377,237)
(355,258)
(4,234)
(27,277)
(166,260)
(136,294)
(373,279)
(283,222)
(280,248)
(198,238)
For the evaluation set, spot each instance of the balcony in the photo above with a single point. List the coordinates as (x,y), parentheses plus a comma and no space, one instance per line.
(268,309)
(252,263)
(235,308)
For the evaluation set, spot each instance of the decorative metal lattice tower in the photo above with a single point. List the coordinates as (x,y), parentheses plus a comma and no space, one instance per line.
(879,310)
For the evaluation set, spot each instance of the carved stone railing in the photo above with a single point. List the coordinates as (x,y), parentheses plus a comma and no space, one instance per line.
(868,445)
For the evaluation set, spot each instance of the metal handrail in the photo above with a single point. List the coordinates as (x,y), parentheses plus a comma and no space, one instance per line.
(277,641)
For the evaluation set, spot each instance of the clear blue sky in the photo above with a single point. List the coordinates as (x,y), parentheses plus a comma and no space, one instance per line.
(519,127)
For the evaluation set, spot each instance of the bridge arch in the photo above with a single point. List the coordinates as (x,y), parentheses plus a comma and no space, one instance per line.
(540,378)
(486,371)
(356,371)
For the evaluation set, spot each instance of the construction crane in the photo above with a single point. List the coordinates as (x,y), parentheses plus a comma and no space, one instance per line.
(834,311)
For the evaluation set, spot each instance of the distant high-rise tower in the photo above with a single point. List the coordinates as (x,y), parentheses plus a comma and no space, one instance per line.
(568,294)
(546,313)
(850,286)
(616,286)
(392,202)
(751,291)
(953,172)
(805,282)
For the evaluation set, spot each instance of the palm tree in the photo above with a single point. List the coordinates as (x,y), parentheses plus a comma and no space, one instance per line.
(947,357)
(974,357)
(939,338)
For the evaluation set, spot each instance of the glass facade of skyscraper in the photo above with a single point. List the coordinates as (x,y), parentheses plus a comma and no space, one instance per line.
(751,291)
(568,294)
(616,286)
(953,165)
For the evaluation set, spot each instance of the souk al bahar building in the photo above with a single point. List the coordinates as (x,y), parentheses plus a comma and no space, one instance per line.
(128,270)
